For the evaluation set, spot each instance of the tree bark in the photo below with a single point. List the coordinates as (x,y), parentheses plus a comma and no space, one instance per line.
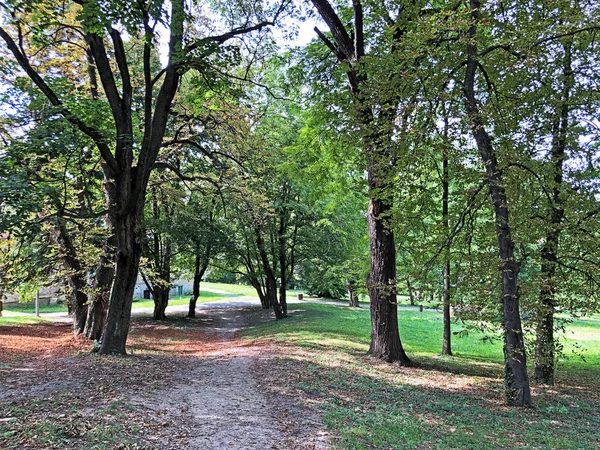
(98,305)
(516,380)
(200,266)
(105,273)
(270,281)
(129,236)
(161,301)
(385,338)
(544,346)
(447,343)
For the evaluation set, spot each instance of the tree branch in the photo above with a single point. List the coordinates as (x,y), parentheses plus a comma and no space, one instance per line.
(94,134)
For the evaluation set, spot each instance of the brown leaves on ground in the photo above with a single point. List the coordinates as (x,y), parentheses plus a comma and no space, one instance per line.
(25,343)
(55,393)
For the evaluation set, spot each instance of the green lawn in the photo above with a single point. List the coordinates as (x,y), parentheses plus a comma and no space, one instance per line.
(137,302)
(239,289)
(205,297)
(10,318)
(442,402)
(30,308)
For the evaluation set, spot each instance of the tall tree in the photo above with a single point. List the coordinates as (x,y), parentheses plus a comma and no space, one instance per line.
(516,380)
(349,49)
(128,157)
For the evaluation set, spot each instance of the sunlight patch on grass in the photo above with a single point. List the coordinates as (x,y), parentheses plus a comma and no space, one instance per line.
(442,402)
(12,319)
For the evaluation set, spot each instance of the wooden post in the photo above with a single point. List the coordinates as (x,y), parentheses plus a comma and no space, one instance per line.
(37,303)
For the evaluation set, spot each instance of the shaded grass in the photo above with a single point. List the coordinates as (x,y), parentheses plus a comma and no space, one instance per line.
(442,402)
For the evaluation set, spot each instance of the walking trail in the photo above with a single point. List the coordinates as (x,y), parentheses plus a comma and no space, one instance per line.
(226,395)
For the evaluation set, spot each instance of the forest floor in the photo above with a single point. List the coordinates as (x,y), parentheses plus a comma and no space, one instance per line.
(187,383)
(235,378)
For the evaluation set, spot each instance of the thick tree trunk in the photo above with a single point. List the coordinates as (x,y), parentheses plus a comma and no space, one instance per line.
(105,273)
(161,301)
(129,234)
(385,339)
(516,380)
(98,305)
(349,48)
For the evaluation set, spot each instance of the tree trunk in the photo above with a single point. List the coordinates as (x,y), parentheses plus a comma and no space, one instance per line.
(385,339)
(543,371)
(98,306)
(411,293)
(270,281)
(349,48)
(446,344)
(196,287)
(105,274)
(161,301)
(283,293)
(516,380)
(201,264)
(76,284)
(282,271)
(544,345)
(352,297)
(129,234)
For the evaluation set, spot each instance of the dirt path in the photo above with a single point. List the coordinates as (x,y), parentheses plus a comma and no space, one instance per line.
(225,402)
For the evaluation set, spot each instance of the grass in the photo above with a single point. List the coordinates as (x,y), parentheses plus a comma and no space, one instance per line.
(29,308)
(239,289)
(20,314)
(10,318)
(442,402)
(205,297)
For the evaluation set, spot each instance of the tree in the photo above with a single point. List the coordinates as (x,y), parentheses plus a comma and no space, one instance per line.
(516,379)
(376,125)
(128,156)
(159,248)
